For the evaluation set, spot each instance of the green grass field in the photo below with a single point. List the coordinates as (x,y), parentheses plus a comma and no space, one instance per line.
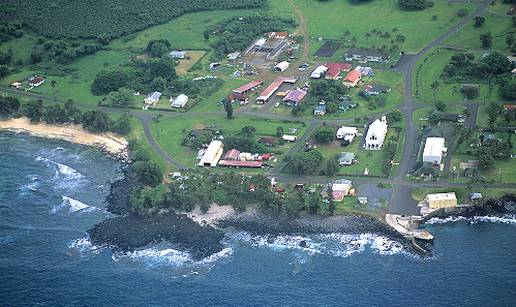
(170,132)
(431,70)
(469,36)
(212,103)
(332,18)
(462,193)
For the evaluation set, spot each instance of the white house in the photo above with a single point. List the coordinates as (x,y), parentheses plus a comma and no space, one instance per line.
(347,133)
(152,98)
(346,158)
(318,72)
(212,154)
(289,138)
(376,134)
(233,56)
(282,66)
(434,150)
(179,102)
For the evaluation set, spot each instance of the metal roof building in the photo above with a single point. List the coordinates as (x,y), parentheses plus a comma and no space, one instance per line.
(212,155)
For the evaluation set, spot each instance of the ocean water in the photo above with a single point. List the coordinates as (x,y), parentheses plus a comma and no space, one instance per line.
(51,192)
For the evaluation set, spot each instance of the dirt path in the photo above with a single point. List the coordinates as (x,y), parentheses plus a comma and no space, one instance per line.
(304,28)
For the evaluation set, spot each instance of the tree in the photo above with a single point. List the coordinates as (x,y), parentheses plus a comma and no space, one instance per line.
(228,107)
(9,106)
(496,63)
(158,84)
(324,135)
(332,167)
(157,48)
(108,81)
(440,105)
(305,162)
(280,132)
(493,112)
(294,203)
(415,4)
(54,114)
(122,125)
(122,97)
(486,39)
(95,121)
(148,173)
(248,131)
(508,90)
(485,158)
(479,21)
(314,202)
(435,87)
(34,110)
(395,116)
(53,85)
(72,112)
(331,202)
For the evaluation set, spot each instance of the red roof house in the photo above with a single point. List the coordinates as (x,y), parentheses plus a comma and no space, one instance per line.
(334,69)
(36,81)
(232,154)
(352,78)
(248,87)
(294,97)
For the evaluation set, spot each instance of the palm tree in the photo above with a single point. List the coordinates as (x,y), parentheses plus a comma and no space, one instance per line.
(53,85)
(435,87)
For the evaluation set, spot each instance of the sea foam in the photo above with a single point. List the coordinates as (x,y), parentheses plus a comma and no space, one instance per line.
(505,219)
(73,205)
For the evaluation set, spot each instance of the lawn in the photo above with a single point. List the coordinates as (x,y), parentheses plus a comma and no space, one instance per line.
(330,19)
(430,68)
(212,103)
(469,36)
(21,47)
(170,132)
(193,56)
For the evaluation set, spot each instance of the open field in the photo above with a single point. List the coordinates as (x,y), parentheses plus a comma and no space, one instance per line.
(332,18)
(432,67)
(193,56)
(469,36)
(170,132)
(212,103)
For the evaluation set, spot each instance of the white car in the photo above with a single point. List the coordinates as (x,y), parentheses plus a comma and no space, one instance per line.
(276,105)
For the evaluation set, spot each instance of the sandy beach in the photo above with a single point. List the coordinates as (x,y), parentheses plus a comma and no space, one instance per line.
(108,142)
(214,214)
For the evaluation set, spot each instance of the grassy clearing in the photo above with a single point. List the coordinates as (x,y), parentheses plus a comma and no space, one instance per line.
(431,70)
(212,103)
(170,132)
(331,19)
(21,47)
(469,36)
(193,56)
(462,193)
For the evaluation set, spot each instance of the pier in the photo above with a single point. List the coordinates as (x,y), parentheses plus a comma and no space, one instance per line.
(408,226)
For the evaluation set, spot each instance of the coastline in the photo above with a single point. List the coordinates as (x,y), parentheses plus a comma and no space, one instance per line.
(109,143)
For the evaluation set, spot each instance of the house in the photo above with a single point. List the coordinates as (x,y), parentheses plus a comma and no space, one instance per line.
(362,200)
(346,158)
(512,59)
(320,110)
(365,71)
(246,88)
(176,54)
(267,141)
(260,42)
(235,97)
(179,102)
(232,154)
(318,72)
(212,154)
(281,66)
(347,133)
(341,188)
(245,156)
(441,200)
(509,107)
(289,138)
(36,81)
(366,55)
(352,78)
(16,84)
(375,89)
(376,134)
(475,196)
(277,35)
(294,97)
(152,98)
(434,150)
(273,87)
(233,56)
(334,70)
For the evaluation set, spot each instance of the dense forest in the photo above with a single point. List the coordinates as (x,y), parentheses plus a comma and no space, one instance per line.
(105,19)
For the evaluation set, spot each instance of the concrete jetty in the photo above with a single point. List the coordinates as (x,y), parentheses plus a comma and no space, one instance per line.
(408,226)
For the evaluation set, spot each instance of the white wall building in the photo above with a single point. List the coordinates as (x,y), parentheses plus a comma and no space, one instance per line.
(318,72)
(282,66)
(347,132)
(212,155)
(434,150)
(179,102)
(152,98)
(376,134)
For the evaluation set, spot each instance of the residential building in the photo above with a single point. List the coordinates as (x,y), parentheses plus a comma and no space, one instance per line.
(152,98)
(289,138)
(294,97)
(376,134)
(268,141)
(434,150)
(176,54)
(334,70)
(441,200)
(179,102)
(320,110)
(318,72)
(281,66)
(238,164)
(16,84)
(36,81)
(347,133)
(352,78)
(366,55)
(212,154)
(375,89)
(346,158)
(232,154)
(365,71)
(346,104)
(249,87)
(235,97)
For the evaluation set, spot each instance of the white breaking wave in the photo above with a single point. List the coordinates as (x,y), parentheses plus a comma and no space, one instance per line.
(84,246)
(61,168)
(333,244)
(505,219)
(33,185)
(66,176)
(73,205)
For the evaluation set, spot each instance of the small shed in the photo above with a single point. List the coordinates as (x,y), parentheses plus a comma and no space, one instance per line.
(179,102)
(268,141)
(176,54)
(281,66)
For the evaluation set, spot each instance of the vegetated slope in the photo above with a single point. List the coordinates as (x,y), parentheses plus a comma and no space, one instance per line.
(106,18)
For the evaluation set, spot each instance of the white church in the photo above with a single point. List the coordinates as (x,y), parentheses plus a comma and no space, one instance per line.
(376,134)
